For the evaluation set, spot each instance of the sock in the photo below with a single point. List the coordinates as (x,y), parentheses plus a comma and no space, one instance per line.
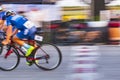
(26,46)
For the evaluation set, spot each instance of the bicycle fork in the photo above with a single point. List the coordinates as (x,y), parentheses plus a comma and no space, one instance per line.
(8,53)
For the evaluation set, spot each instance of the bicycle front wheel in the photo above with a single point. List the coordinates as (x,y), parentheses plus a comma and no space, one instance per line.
(48,57)
(9,58)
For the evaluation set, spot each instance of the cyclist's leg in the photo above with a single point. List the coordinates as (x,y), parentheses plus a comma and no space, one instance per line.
(18,39)
(32,35)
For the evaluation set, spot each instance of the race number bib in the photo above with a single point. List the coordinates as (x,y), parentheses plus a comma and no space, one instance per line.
(28,24)
(38,38)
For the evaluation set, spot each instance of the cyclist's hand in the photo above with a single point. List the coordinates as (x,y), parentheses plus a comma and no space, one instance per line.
(5,42)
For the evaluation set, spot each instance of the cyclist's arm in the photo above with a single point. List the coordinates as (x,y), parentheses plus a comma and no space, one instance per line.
(14,32)
(9,32)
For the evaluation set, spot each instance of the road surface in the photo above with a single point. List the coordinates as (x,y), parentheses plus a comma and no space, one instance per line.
(108,67)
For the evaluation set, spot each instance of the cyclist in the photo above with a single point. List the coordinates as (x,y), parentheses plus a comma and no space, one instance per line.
(26,30)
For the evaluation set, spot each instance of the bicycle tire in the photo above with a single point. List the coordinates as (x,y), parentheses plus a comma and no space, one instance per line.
(49,48)
(11,62)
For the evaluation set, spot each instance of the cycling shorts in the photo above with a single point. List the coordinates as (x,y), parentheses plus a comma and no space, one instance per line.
(27,33)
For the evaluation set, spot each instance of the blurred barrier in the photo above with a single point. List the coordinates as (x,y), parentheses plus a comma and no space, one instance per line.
(97,32)
(114,32)
(85,33)
(70,32)
(78,32)
(83,64)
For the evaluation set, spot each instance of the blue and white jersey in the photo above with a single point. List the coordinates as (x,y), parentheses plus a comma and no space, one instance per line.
(19,22)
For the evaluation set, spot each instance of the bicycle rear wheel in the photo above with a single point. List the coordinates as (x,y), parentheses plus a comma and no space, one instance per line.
(11,61)
(48,56)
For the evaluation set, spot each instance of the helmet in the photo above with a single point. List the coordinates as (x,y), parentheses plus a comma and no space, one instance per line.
(8,13)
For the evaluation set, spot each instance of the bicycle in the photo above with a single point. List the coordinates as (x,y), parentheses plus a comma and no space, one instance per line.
(46,56)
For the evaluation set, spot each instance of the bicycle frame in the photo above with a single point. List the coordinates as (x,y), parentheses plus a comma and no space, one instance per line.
(23,54)
(17,48)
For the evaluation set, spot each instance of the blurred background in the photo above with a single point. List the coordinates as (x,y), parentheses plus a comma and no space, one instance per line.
(68,22)
(73,25)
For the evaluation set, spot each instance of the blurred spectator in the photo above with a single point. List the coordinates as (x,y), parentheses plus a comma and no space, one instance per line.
(35,16)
